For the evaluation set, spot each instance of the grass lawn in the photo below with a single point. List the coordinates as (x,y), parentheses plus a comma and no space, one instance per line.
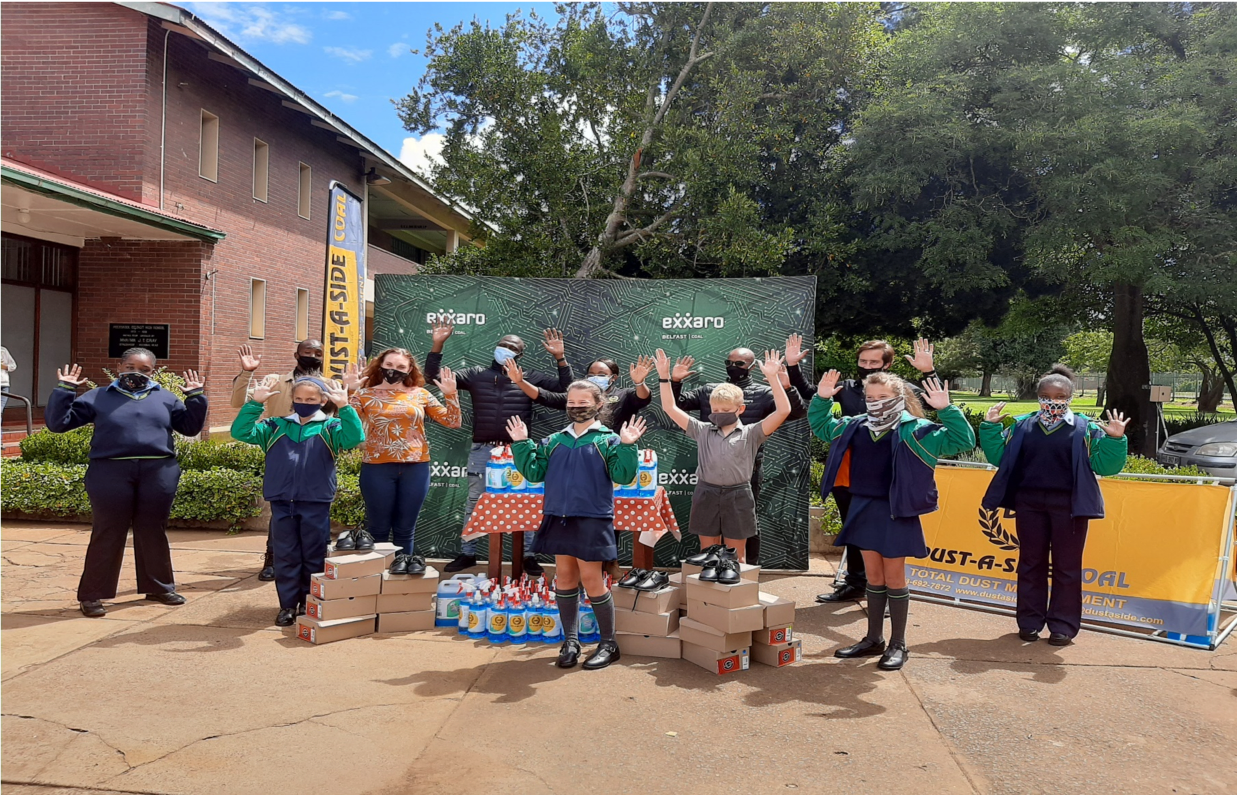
(1085,402)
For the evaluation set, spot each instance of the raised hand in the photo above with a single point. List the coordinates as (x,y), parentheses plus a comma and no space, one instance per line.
(772,365)
(192,380)
(352,377)
(441,331)
(1115,426)
(516,429)
(640,369)
(828,386)
(446,381)
(71,375)
(514,371)
(265,388)
(794,350)
(249,360)
(783,377)
(936,394)
(662,362)
(921,359)
(996,412)
(336,393)
(632,430)
(682,369)
(554,344)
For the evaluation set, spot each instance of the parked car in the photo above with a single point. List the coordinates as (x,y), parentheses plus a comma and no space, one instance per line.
(1211,448)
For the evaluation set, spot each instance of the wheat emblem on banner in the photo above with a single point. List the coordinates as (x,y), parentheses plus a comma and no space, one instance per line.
(994,531)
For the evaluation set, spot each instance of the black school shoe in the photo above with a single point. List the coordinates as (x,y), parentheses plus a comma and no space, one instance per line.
(728,572)
(364,540)
(532,568)
(345,543)
(713,569)
(399,565)
(606,653)
(843,592)
(1027,636)
(460,563)
(633,578)
(1059,639)
(416,564)
(93,608)
(568,654)
(286,617)
(864,648)
(894,657)
(705,554)
(654,582)
(169,598)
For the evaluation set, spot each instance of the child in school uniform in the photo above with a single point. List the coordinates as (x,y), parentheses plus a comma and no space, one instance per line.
(723,506)
(579,466)
(1046,467)
(890,456)
(300,478)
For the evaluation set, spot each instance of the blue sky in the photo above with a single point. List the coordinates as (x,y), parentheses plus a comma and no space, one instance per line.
(354,58)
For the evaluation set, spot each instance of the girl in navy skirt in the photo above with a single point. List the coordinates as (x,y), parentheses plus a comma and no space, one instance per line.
(889,458)
(579,466)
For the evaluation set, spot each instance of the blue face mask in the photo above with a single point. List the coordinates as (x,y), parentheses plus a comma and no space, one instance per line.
(503,355)
(306,409)
(602,381)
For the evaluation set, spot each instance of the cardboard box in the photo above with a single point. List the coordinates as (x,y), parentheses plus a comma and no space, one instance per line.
(404,602)
(350,566)
(719,662)
(743,594)
(412,621)
(747,571)
(692,631)
(317,632)
(668,647)
(780,655)
(384,548)
(773,636)
(329,609)
(779,612)
(637,623)
(408,583)
(323,588)
(737,619)
(667,600)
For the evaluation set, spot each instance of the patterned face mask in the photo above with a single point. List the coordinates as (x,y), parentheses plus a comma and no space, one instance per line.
(884,414)
(1051,412)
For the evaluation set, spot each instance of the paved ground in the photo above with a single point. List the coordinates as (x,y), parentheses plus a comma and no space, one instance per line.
(210,698)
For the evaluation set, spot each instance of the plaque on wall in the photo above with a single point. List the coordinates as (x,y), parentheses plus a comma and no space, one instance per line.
(152,336)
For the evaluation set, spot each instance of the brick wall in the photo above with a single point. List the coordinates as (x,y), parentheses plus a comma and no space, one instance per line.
(74,92)
(379,261)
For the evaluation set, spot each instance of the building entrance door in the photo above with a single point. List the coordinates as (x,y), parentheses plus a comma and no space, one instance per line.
(37,299)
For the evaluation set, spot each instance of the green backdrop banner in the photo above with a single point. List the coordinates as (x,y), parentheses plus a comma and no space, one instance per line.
(617,320)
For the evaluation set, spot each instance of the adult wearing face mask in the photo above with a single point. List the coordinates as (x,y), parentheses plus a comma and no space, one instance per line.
(874,356)
(495,399)
(758,398)
(279,404)
(133,473)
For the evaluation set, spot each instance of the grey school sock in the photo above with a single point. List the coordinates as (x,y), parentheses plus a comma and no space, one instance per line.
(876,611)
(899,609)
(569,613)
(603,608)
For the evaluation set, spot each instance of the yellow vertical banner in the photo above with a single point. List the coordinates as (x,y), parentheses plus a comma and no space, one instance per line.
(343,305)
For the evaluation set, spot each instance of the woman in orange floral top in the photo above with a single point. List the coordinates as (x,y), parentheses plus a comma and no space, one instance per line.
(395,470)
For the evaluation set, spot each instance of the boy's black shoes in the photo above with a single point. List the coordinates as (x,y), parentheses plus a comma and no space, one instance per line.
(728,572)
(400,564)
(705,556)
(268,566)
(286,617)
(345,542)
(633,578)
(864,648)
(460,563)
(713,567)
(894,657)
(606,653)
(655,581)
(843,592)
(364,540)
(1059,639)
(1027,636)
(416,564)
(568,654)
(532,568)
(93,608)
(169,598)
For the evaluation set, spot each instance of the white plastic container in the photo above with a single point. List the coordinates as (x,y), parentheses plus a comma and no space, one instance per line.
(450,592)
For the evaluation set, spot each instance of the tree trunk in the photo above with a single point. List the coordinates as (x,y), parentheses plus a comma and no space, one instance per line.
(1129,370)
(1210,392)
(985,387)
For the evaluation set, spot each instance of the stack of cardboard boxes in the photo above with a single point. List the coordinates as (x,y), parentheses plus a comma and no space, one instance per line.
(646,623)
(356,595)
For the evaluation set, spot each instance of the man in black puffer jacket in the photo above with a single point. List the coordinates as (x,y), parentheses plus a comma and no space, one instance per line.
(495,399)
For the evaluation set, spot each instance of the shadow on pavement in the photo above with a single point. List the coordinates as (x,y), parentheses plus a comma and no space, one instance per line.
(974,656)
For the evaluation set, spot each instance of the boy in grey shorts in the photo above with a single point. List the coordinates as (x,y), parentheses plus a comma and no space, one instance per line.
(723,508)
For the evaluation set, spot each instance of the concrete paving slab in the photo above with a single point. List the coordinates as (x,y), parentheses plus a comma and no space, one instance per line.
(33,639)
(16,530)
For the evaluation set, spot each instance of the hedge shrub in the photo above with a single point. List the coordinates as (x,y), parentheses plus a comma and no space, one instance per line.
(205,455)
(45,447)
(348,508)
(218,495)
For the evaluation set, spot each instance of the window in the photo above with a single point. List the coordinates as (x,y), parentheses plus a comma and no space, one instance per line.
(208,153)
(303,193)
(302,314)
(261,168)
(257,309)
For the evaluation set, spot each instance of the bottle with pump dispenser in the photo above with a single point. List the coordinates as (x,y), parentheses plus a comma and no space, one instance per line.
(478,616)
(551,627)
(589,633)
(534,619)
(497,632)
(517,622)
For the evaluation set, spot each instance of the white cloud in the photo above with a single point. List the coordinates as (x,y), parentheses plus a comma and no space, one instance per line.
(341,96)
(397,49)
(349,54)
(421,154)
(248,23)
(337,15)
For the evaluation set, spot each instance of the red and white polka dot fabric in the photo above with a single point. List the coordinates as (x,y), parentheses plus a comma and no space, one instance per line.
(521,513)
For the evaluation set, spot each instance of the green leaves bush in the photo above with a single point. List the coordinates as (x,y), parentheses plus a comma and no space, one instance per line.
(218,495)
(205,455)
(45,447)
(348,508)
(1138,465)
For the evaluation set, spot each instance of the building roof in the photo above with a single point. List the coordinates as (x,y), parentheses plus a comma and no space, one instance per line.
(181,21)
(42,183)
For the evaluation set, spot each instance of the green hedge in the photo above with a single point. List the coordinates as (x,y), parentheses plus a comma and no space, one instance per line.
(348,508)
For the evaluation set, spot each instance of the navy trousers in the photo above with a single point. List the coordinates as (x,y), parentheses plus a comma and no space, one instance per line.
(124,493)
(1047,532)
(394,494)
(300,532)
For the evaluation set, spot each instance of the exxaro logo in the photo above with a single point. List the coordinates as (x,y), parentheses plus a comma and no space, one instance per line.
(676,477)
(455,318)
(688,321)
(444,471)
(990,525)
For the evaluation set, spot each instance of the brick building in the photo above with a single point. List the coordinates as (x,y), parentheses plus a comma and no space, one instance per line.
(156,174)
